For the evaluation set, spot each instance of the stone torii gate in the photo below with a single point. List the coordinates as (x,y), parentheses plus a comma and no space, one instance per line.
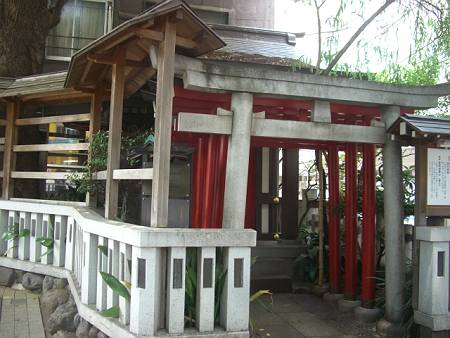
(165,40)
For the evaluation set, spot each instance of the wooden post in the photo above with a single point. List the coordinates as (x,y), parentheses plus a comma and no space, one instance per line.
(115,134)
(9,157)
(420,214)
(94,126)
(321,201)
(163,127)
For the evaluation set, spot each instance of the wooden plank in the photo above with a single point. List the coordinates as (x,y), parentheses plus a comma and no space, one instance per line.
(109,60)
(51,147)
(163,127)
(40,175)
(158,36)
(115,132)
(99,176)
(65,166)
(53,119)
(9,157)
(133,174)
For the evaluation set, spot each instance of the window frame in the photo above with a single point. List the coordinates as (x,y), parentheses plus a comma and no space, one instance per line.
(106,28)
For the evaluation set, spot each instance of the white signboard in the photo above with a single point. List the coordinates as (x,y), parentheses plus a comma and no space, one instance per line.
(438,180)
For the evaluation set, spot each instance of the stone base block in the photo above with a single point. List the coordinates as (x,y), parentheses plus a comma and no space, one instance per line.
(333,297)
(390,330)
(320,290)
(345,305)
(366,315)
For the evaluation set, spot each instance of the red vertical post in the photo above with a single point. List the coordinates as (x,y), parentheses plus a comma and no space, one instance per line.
(197,182)
(209,180)
(351,194)
(250,211)
(333,222)
(368,232)
(220,180)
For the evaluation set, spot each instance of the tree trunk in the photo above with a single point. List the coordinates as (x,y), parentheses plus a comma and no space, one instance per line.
(23,31)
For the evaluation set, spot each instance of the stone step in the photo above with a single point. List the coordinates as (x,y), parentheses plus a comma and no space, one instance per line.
(278,251)
(272,266)
(273,283)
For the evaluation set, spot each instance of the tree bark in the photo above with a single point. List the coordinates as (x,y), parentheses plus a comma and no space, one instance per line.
(24,28)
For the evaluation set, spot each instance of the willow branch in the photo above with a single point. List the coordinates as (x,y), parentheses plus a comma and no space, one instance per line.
(355,36)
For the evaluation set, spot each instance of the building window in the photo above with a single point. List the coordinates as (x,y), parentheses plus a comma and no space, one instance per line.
(82,21)
(207,14)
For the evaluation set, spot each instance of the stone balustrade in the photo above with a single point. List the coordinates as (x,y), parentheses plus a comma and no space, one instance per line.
(433,284)
(150,261)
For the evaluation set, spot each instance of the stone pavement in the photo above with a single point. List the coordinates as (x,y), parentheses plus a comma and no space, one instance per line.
(304,315)
(20,314)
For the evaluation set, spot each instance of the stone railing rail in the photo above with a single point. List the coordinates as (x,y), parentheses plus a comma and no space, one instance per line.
(153,260)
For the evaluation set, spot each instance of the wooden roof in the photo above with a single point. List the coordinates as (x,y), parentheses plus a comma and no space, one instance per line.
(413,126)
(42,87)
(92,65)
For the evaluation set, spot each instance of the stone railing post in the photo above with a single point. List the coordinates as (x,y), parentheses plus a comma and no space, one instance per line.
(235,306)
(59,241)
(89,266)
(145,298)
(206,281)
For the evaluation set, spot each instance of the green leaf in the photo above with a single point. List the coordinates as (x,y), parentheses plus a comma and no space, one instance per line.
(112,312)
(103,249)
(9,236)
(45,241)
(259,294)
(25,233)
(115,285)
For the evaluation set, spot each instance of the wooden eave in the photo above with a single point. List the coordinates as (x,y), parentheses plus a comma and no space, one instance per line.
(92,65)
(45,88)
(412,128)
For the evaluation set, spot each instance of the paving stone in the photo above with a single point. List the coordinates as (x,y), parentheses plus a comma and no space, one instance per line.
(310,325)
(277,331)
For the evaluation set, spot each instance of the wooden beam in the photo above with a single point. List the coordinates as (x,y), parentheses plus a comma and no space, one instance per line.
(163,127)
(9,157)
(56,96)
(150,34)
(133,174)
(99,175)
(86,71)
(115,132)
(159,37)
(110,60)
(52,119)
(38,175)
(53,147)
